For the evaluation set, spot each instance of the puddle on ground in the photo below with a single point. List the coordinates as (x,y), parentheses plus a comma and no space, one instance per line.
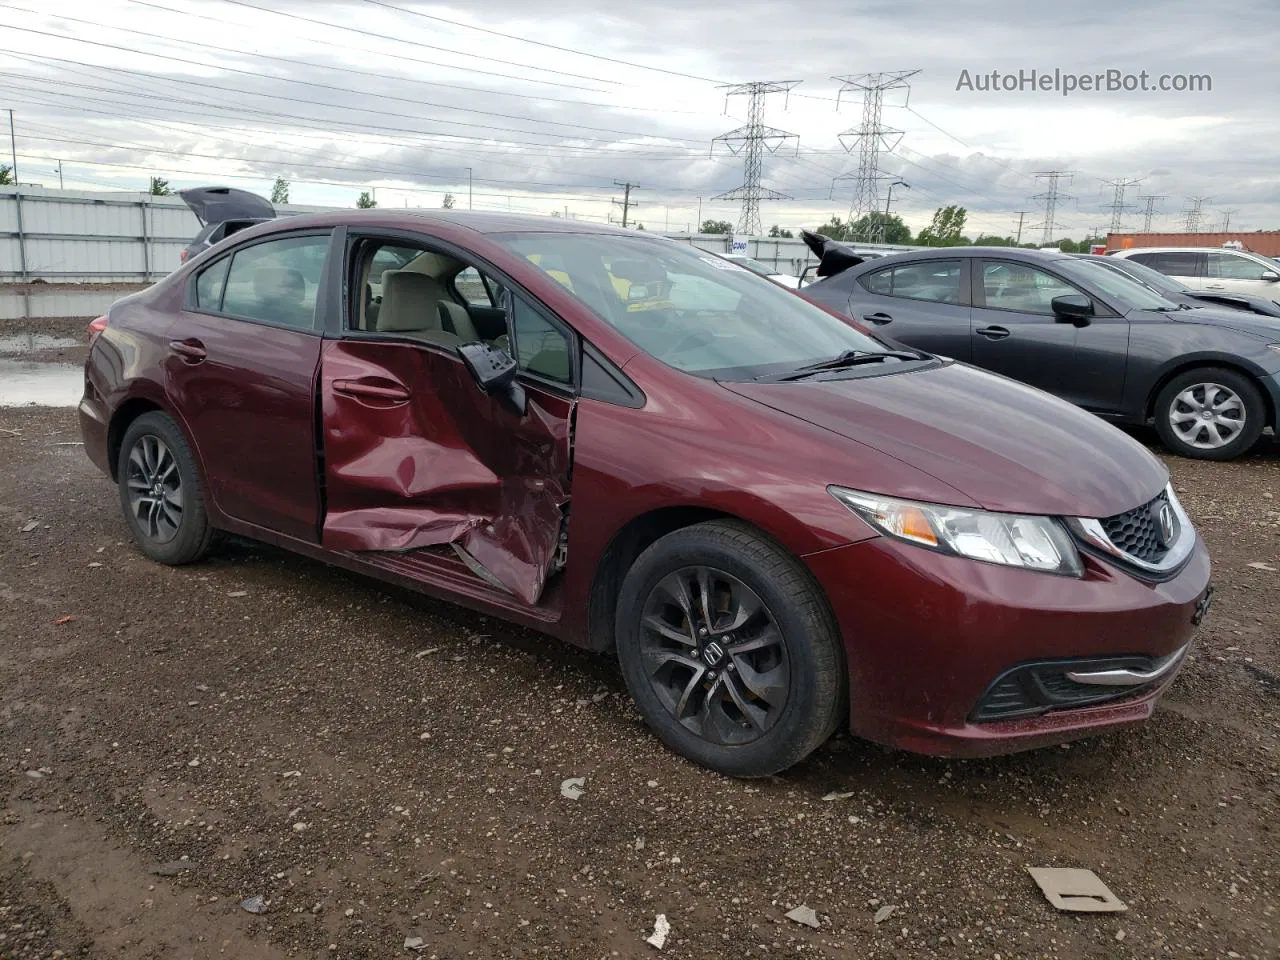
(23,384)
(12,344)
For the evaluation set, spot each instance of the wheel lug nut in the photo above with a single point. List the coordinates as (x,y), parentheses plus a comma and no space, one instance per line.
(702,631)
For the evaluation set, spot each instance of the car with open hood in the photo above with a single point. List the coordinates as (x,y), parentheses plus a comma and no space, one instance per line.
(222,211)
(1178,292)
(1207,377)
(781,523)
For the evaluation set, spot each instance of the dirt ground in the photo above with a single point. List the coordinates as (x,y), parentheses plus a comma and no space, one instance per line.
(375,767)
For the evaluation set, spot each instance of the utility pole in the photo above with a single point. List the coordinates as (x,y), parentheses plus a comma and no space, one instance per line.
(1149,211)
(469,206)
(59,175)
(751,140)
(1191,216)
(1018,241)
(1226,219)
(13,148)
(699,215)
(1051,197)
(1117,205)
(868,138)
(625,202)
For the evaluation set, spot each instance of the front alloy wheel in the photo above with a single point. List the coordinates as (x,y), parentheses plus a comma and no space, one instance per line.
(729,649)
(714,656)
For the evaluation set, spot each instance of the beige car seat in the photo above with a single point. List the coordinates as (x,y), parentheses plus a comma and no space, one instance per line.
(415,303)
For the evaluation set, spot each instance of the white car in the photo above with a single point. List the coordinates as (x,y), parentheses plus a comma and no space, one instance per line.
(755,266)
(1212,268)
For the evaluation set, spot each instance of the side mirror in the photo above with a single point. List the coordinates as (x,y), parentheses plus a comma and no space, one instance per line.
(1270,275)
(494,371)
(1073,308)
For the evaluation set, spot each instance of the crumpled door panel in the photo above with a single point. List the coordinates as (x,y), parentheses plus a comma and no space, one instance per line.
(415,455)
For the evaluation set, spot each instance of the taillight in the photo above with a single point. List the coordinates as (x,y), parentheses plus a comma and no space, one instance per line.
(183,255)
(96,327)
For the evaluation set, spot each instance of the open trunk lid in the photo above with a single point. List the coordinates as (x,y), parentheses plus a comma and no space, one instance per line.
(833,256)
(217,204)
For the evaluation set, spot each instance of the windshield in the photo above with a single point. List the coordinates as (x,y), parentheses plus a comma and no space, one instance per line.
(1128,292)
(1145,274)
(697,313)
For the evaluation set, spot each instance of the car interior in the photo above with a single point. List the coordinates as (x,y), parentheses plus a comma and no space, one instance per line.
(431,296)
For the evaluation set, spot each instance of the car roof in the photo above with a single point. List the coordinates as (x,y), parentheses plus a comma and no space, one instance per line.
(1020,254)
(1129,250)
(480,222)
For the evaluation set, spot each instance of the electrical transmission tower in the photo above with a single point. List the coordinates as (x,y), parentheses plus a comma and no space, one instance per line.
(1226,219)
(869,137)
(1051,197)
(1149,211)
(1192,215)
(751,141)
(1117,206)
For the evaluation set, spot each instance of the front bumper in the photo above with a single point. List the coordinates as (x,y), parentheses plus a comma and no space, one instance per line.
(929,636)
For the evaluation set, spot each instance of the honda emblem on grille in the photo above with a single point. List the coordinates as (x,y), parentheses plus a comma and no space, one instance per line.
(1163,516)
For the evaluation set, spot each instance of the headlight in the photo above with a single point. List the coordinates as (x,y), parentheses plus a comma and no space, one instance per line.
(1036,543)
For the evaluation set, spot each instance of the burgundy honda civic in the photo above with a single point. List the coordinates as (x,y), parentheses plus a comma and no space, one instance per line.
(780,522)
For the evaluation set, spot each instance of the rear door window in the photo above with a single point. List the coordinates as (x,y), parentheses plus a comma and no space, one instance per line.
(277,282)
(1174,263)
(937,281)
(209,285)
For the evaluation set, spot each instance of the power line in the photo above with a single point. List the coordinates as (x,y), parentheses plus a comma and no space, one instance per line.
(334,87)
(1117,205)
(539,43)
(488,91)
(751,140)
(239,110)
(1051,197)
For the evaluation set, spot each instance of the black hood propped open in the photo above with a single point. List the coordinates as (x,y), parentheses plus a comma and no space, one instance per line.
(833,256)
(218,204)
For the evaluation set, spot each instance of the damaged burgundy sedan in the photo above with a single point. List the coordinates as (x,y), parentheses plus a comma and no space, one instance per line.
(780,522)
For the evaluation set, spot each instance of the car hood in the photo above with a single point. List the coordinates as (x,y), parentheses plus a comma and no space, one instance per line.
(1234,301)
(1007,446)
(216,204)
(1255,324)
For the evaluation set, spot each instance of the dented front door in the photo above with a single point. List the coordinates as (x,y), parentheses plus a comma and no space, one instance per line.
(416,456)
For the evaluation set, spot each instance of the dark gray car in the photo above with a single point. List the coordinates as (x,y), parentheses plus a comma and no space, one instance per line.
(222,211)
(1208,378)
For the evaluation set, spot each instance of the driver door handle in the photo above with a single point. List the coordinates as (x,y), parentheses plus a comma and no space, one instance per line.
(385,392)
(994,333)
(879,319)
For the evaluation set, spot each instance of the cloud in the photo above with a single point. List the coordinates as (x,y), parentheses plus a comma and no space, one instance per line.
(406,103)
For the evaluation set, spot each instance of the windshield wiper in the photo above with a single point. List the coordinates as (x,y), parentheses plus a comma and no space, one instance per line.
(850,358)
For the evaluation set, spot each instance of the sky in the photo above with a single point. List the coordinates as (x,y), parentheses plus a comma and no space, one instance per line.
(541,107)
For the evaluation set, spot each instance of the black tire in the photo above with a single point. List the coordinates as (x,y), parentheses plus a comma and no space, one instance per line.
(154,530)
(810,651)
(1168,406)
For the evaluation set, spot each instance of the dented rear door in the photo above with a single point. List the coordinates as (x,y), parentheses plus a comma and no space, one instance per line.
(416,456)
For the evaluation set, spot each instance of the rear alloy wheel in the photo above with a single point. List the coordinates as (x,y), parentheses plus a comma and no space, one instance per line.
(160,491)
(1210,414)
(729,650)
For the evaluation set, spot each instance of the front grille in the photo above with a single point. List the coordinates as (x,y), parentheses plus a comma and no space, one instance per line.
(1134,531)
(1035,688)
